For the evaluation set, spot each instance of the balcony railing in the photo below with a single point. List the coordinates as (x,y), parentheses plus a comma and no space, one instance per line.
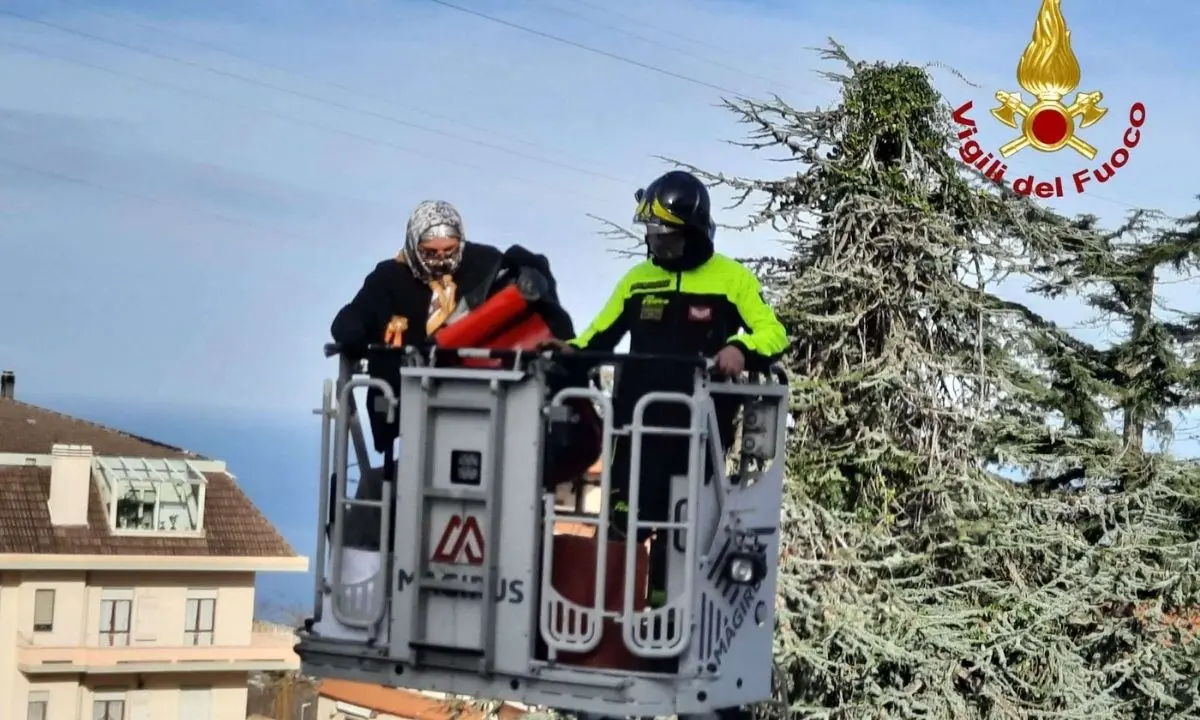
(267,650)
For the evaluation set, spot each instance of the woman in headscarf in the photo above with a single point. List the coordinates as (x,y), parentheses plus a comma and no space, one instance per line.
(437,277)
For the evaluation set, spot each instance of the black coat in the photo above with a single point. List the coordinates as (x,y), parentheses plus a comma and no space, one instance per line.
(391,289)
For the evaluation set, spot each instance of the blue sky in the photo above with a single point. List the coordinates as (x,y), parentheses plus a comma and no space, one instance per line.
(179,224)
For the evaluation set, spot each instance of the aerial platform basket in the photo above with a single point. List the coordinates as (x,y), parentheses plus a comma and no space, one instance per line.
(441,573)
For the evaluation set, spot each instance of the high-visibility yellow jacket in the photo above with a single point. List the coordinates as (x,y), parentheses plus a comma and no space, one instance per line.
(695,311)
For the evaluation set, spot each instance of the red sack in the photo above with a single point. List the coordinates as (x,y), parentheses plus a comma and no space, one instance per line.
(507,321)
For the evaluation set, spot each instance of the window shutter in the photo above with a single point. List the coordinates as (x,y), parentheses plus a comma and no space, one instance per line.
(106,616)
(123,608)
(43,609)
(139,706)
(146,624)
(195,704)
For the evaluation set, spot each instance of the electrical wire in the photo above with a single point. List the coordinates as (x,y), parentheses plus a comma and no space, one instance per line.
(587,48)
(657,42)
(76,180)
(315,98)
(644,66)
(417,152)
(656,28)
(400,121)
(213,47)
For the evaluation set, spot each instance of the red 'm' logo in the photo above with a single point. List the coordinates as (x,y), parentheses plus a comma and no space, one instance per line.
(461,537)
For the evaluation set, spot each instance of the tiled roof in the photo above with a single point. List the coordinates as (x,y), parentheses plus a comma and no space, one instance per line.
(404,703)
(30,429)
(233,526)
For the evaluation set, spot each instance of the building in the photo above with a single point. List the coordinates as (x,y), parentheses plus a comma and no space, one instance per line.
(127,574)
(344,700)
(583,495)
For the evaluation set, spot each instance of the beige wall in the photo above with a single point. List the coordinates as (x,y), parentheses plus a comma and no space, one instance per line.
(157,620)
(158,609)
(149,697)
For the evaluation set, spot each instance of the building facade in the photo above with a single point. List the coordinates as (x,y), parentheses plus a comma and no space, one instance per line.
(127,574)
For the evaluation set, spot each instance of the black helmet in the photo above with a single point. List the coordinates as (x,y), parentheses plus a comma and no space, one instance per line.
(676,211)
(676,201)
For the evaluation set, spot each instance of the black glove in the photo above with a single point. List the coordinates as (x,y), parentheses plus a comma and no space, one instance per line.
(519,261)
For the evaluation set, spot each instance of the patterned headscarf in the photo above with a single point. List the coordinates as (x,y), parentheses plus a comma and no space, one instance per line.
(433,218)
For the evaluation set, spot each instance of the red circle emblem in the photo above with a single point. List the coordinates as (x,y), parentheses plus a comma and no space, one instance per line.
(1050,126)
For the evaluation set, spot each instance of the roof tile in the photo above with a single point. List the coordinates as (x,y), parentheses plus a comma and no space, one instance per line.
(26,428)
(404,703)
(233,525)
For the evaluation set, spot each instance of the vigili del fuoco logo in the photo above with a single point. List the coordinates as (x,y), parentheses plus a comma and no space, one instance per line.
(1049,71)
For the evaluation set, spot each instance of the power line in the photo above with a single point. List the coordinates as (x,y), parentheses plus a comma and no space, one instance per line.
(289,118)
(657,28)
(117,17)
(700,43)
(636,63)
(656,42)
(315,98)
(587,48)
(318,99)
(75,180)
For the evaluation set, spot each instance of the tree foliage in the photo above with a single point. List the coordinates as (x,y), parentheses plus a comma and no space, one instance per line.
(917,579)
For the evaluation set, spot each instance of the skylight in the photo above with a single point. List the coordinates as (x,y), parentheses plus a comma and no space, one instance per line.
(152,495)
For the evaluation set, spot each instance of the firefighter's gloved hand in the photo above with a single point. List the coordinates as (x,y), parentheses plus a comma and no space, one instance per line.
(731,361)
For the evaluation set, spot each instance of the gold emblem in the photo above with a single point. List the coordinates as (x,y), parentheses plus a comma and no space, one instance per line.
(1049,71)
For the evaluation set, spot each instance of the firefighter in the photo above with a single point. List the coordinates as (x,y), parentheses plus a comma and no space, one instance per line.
(684,299)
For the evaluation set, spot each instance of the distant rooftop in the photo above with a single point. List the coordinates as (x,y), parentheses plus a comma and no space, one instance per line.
(34,430)
(408,703)
(142,491)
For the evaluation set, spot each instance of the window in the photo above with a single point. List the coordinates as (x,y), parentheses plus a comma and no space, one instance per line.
(108,707)
(37,706)
(148,495)
(198,625)
(114,622)
(43,610)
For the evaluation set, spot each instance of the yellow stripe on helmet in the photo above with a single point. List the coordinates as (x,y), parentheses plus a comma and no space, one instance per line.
(654,210)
